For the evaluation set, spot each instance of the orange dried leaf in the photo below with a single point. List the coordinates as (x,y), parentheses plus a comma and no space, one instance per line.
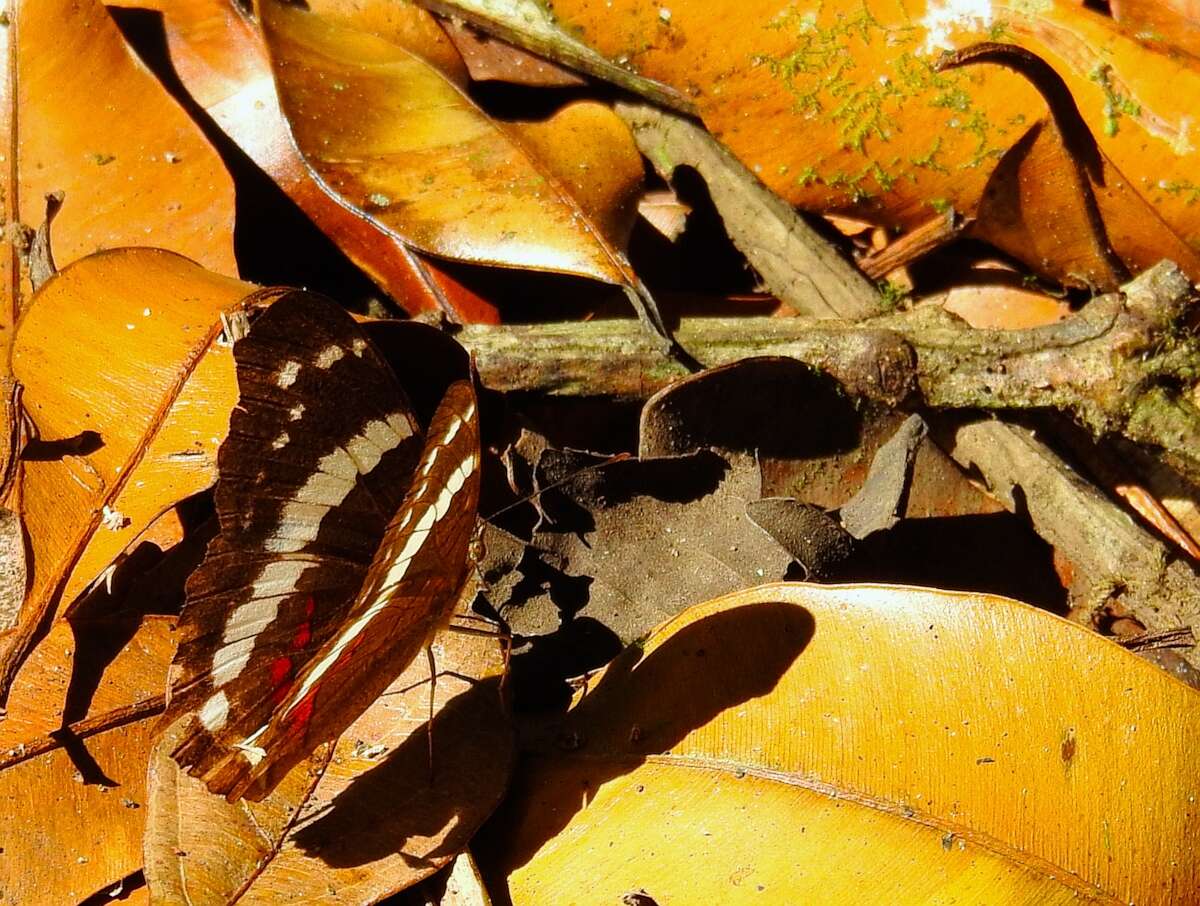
(842,109)
(799,744)
(77,799)
(130,397)
(1005,307)
(95,125)
(220,59)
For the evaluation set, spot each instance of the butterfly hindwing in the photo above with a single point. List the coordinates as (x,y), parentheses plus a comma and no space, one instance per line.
(409,591)
(320,449)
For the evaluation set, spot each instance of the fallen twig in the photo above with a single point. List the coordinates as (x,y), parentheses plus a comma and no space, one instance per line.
(1115,366)
(1112,556)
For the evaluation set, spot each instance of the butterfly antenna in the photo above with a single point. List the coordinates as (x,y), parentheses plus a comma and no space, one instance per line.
(616,457)
(432,694)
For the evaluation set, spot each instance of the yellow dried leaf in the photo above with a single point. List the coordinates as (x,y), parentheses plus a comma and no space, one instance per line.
(802,744)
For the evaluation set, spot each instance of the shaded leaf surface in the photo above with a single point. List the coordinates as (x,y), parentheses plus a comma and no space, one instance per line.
(637,541)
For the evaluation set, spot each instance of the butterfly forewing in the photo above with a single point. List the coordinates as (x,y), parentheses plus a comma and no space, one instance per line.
(410,589)
(321,446)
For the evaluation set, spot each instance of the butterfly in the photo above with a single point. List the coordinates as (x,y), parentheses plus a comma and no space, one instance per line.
(343,546)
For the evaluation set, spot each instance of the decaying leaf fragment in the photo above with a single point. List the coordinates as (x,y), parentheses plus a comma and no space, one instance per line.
(797,743)
(823,541)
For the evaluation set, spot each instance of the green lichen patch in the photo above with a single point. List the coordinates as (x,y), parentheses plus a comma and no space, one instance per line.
(1116,104)
(866,79)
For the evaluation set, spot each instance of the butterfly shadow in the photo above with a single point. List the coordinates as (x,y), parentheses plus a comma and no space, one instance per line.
(397,808)
(644,705)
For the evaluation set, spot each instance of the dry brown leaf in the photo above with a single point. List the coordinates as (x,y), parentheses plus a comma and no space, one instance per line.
(130,397)
(798,744)
(1001,306)
(95,125)
(952,534)
(397,139)
(353,824)
(220,59)
(632,542)
(75,799)
(490,59)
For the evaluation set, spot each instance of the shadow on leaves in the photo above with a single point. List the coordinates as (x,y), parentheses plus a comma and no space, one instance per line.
(395,805)
(644,705)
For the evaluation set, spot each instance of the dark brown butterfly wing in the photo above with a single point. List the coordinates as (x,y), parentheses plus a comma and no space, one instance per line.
(320,449)
(410,589)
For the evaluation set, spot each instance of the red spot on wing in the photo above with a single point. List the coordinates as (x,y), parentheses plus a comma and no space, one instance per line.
(281,667)
(304,631)
(281,670)
(302,714)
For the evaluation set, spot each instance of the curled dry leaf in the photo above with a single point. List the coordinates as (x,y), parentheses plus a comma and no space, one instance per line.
(82,787)
(130,396)
(887,136)
(362,818)
(96,126)
(395,136)
(218,55)
(882,738)
(1055,173)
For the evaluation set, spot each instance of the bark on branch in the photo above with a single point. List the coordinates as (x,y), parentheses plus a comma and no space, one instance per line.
(1119,366)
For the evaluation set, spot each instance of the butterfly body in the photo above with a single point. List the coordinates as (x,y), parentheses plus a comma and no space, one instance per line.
(343,547)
